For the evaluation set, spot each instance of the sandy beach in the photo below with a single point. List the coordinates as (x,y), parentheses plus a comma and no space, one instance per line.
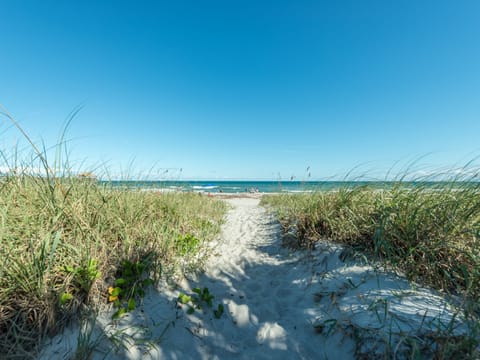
(278,304)
(240,180)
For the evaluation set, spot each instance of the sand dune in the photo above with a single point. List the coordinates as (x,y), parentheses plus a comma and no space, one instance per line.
(279,304)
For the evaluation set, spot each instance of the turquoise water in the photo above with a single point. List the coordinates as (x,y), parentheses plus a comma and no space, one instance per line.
(226,186)
(213,186)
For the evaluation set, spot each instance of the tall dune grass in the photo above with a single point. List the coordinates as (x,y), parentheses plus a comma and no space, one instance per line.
(430,232)
(70,236)
(64,238)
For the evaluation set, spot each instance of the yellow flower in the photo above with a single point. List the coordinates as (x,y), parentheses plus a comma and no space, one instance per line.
(110,290)
(112,298)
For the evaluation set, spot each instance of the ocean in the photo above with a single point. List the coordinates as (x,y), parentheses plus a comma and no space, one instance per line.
(214,186)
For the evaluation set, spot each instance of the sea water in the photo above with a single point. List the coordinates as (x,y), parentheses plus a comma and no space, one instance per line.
(215,186)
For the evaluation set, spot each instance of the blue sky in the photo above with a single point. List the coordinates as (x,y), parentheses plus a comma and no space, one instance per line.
(244,89)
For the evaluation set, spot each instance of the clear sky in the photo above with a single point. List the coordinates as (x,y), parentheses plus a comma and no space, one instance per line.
(244,89)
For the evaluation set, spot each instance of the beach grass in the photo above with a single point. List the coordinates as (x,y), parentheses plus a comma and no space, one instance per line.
(430,232)
(66,240)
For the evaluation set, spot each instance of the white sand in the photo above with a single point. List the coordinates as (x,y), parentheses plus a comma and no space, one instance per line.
(273,298)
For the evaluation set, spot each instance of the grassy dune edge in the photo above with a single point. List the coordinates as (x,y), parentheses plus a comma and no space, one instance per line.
(430,234)
(69,243)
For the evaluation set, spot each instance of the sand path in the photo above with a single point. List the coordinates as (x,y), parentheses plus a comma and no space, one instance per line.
(267,292)
(273,300)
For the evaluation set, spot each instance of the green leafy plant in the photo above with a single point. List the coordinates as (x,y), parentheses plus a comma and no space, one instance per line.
(187,244)
(129,286)
(197,299)
(204,295)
